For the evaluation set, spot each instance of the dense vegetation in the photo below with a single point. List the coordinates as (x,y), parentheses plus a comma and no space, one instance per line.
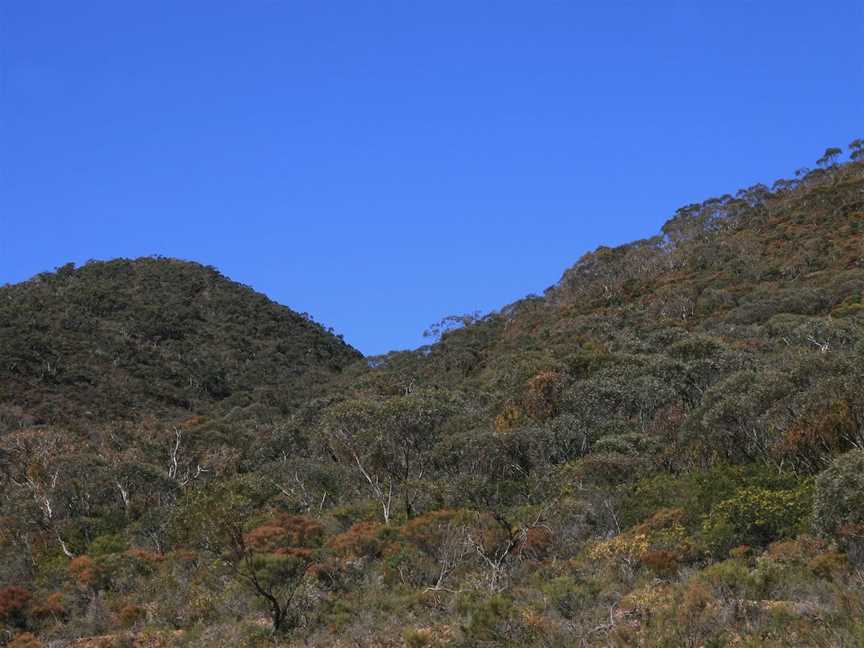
(154,337)
(664,449)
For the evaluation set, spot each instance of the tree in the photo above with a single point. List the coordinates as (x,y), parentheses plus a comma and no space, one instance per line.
(450,323)
(267,560)
(856,149)
(829,157)
(499,542)
(443,537)
(348,427)
(411,426)
(389,443)
(270,556)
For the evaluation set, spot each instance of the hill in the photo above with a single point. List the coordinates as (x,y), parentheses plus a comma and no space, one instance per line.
(666,448)
(763,289)
(155,337)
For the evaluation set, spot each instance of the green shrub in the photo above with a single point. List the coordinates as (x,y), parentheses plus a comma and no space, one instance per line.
(107,544)
(418,638)
(570,596)
(696,492)
(486,618)
(756,517)
(838,497)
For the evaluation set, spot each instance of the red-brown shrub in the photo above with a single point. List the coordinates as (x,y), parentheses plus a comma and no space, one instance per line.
(25,640)
(542,394)
(360,541)
(130,614)
(828,565)
(535,544)
(662,562)
(285,531)
(427,532)
(50,606)
(14,602)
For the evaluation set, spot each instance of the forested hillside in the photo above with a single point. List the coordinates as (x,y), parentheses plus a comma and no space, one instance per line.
(152,337)
(666,448)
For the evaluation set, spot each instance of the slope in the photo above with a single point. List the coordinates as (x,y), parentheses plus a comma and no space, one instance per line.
(156,337)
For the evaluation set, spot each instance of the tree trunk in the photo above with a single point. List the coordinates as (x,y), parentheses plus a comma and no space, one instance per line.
(277,616)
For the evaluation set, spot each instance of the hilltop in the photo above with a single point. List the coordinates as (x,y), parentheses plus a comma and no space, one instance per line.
(155,337)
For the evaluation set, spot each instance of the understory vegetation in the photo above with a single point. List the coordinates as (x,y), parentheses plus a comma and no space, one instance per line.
(666,448)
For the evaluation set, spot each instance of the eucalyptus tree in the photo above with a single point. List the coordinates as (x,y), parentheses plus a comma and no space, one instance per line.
(388,442)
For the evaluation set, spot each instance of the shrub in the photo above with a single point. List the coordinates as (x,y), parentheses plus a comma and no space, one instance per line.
(360,541)
(14,602)
(662,532)
(542,394)
(828,565)
(406,565)
(429,531)
(696,491)
(807,441)
(106,544)
(130,614)
(570,595)
(535,544)
(511,417)
(756,517)
(662,562)
(799,550)
(610,468)
(852,540)
(566,438)
(25,640)
(283,532)
(838,497)
(86,572)
(617,444)
(418,638)
(49,607)
(486,618)
(696,613)
(730,579)
(626,444)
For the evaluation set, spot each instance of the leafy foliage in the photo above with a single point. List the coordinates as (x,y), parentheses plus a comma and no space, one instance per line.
(839,493)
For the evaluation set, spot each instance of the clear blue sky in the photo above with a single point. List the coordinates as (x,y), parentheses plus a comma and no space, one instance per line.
(383,164)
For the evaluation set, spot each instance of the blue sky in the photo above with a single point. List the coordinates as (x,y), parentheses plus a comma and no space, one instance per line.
(384,164)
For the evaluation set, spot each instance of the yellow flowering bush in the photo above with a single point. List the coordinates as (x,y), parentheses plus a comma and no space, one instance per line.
(756,517)
(662,532)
